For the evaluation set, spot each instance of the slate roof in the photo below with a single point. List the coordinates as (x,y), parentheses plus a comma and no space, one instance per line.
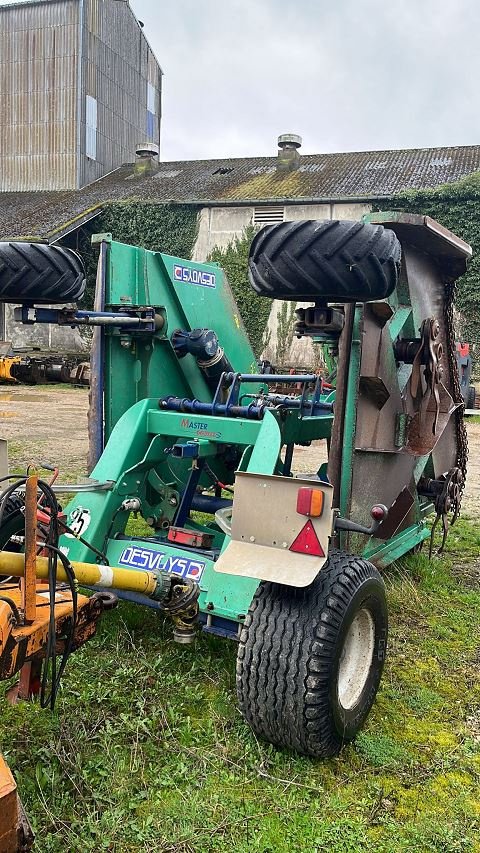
(364,175)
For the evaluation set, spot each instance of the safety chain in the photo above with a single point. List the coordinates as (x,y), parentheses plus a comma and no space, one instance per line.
(460,428)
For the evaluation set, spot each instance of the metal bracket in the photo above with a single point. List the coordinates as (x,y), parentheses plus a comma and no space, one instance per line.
(319,321)
(138,320)
(378,512)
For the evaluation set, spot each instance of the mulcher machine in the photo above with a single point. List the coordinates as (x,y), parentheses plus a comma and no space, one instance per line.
(186,433)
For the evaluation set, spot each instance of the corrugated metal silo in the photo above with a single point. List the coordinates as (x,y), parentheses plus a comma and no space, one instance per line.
(79,88)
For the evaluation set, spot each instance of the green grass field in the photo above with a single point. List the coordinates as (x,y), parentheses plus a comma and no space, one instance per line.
(146,750)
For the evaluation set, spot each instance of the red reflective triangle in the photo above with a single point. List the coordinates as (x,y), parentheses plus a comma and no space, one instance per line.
(307,542)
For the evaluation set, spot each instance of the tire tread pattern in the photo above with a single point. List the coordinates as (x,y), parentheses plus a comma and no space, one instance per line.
(333,260)
(285,655)
(37,273)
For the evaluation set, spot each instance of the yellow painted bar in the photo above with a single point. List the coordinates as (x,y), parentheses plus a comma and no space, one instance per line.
(89,574)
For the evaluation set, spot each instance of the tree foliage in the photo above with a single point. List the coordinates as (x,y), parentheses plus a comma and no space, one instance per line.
(254,310)
(285,324)
(457,207)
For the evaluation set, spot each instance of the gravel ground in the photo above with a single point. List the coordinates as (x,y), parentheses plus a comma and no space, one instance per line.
(50,423)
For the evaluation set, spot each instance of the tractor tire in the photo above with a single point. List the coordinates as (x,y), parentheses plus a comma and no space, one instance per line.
(36,273)
(471,397)
(13,523)
(310,660)
(327,261)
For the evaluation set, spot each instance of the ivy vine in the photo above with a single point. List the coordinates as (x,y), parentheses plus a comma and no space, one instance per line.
(168,228)
(457,207)
(254,310)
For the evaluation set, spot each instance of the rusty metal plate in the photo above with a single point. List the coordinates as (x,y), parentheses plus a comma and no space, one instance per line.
(396,514)
(420,436)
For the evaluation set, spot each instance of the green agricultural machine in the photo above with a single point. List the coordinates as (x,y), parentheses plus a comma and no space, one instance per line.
(188,435)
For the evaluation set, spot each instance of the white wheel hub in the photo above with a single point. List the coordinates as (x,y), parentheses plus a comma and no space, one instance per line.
(356,659)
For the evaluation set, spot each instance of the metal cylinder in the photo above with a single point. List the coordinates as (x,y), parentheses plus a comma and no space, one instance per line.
(88,574)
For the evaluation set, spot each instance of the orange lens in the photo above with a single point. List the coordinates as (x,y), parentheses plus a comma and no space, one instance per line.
(316,503)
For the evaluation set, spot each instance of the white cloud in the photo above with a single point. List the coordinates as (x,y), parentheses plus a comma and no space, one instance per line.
(346,75)
(349,75)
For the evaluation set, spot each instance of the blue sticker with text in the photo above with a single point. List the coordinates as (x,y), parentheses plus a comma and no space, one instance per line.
(146,558)
(192,276)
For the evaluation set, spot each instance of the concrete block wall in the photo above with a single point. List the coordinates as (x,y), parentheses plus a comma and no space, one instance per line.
(218,226)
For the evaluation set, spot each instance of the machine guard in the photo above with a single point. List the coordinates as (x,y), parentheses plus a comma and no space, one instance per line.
(265,526)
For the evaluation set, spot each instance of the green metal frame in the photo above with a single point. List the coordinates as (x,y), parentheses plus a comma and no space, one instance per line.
(142,368)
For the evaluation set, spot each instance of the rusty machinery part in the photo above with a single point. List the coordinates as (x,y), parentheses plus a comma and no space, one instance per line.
(104,600)
(446,495)
(41,274)
(182,606)
(321,322)
(50,670)
(16,834)
(330,261)
(37,371)
(429,353)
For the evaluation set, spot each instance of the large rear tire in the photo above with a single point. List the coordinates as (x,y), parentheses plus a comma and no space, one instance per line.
(310,660)
(35,273)
(331,261)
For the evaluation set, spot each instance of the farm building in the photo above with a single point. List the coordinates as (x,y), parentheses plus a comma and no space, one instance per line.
(79,88)
(224,196)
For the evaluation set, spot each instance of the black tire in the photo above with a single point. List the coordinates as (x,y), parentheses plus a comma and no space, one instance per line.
(471,397)
(290,661)
(35,273)
(331,261)
(13,524)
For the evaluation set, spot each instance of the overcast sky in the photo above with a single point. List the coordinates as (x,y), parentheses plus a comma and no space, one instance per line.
(344,74)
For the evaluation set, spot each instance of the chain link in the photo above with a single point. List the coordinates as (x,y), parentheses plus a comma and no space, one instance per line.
(460,428)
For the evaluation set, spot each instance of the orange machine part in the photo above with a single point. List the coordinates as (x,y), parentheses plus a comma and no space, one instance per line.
(15,832)
(22,643)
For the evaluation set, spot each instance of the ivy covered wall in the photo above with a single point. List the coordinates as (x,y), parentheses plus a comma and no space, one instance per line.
(172,229)
(168,228)
(457,207)
(254,310)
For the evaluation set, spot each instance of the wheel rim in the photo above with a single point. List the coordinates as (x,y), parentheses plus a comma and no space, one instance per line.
(356,659)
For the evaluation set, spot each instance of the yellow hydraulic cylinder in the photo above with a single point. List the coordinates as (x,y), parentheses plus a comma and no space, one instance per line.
(88,574)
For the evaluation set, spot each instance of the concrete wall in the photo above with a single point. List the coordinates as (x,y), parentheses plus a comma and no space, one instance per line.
(40,336)
(218,226)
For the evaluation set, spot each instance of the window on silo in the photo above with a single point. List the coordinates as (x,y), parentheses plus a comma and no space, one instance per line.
(151,112)
(91,132)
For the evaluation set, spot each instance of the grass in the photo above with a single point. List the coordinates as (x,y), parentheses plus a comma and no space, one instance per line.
(147,752)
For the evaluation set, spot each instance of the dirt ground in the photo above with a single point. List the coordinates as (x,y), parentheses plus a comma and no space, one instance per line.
(49,423)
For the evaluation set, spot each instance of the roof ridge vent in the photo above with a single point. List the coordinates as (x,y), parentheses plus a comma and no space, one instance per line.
(288,158)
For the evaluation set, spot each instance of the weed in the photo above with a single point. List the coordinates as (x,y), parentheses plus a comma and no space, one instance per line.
(147,751)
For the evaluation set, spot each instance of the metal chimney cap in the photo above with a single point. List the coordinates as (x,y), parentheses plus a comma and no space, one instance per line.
(147,149)
(289,140)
